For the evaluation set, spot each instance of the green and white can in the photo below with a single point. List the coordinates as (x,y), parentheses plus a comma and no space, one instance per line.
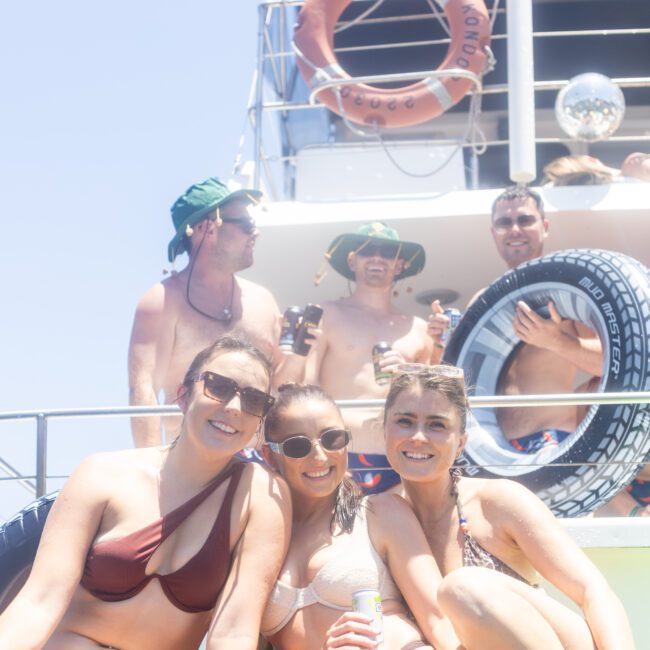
(368,602)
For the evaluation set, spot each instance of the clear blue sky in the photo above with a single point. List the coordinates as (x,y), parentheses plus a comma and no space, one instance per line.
(108,111)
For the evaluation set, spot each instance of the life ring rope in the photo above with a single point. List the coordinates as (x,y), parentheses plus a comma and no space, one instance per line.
(324,79)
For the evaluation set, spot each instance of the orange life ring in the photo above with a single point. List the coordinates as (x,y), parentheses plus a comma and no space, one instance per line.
(469,24)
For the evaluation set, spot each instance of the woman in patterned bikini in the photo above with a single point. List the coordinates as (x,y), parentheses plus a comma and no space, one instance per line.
(490,537)
(152,548)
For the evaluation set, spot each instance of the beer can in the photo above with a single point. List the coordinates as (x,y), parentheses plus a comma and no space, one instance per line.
(289,327)
(310,318)
(368,602)
(381,376)
(454,316)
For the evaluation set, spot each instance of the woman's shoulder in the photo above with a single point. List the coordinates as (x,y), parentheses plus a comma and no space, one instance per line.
(497,496)
(123,460)
(263,482)
(388,511)
(110,468)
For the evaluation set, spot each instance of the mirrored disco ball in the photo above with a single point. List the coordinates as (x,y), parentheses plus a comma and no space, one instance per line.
(590,107)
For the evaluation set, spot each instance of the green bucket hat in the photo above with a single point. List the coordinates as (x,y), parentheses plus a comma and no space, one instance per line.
(198,200)
(376,231)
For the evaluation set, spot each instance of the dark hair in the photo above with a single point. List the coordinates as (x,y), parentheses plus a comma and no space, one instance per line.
(348,493)
(225,344)
(519,193)
(453,388)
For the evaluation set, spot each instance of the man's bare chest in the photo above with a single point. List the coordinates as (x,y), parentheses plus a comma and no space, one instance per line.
(357,336)
(195,331)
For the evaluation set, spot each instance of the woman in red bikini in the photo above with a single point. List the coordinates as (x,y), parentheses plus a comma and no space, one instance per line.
(150,549)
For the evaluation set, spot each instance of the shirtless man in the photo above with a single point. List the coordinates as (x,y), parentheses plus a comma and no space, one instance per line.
(191,309)
(556,351)
(341,358)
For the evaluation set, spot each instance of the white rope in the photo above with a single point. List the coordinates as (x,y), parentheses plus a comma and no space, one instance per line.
(473,133)
(438,15)
(495,11)
(359,18)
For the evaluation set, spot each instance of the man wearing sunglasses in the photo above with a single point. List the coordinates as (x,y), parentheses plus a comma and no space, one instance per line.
(189,310)
(557,353)
(374,258)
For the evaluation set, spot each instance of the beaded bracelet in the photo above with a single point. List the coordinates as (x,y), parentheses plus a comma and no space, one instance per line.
(635,510)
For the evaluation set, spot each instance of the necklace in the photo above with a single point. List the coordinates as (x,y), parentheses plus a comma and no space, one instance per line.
(226,312)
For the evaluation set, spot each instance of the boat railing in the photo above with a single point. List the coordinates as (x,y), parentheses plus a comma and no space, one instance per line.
(37,483)
(274,92)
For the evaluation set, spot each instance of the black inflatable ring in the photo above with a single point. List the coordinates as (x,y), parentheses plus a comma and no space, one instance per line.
(610,293)
(19,538)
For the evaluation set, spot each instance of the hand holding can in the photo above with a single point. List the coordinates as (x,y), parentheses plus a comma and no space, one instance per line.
(289,328)
(382,377)
(310,318)
(351,630)
(454,316)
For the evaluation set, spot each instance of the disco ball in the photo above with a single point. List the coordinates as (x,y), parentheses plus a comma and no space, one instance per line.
(590,107)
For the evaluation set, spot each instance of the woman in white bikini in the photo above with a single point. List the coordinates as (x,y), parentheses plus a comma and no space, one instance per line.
(342,542)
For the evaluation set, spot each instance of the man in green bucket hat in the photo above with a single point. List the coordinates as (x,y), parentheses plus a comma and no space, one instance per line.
(341,361)
(189,310)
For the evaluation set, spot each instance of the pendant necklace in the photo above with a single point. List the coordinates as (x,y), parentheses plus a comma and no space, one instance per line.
(226,316)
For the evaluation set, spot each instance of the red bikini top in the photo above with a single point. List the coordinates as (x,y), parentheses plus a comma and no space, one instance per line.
(115,569)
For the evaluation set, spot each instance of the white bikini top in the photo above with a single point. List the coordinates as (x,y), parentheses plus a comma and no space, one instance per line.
(356,566)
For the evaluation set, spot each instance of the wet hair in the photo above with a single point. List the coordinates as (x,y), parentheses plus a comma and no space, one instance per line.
(221,346)
(519,193)
(453,388)
(348,493)
(577,170)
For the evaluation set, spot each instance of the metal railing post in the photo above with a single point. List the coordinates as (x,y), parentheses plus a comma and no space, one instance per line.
(257,133)
(521,91)
(41,454)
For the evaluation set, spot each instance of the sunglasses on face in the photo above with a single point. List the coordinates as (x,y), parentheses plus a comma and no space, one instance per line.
(301,446)
(503,224)
(441,369)
(387,251)
(223,389)
(246,224)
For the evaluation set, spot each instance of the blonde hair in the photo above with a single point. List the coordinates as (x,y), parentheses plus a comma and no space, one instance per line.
(577,170)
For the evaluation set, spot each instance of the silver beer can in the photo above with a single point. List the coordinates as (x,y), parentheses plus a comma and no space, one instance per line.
(454,316)
(368,602)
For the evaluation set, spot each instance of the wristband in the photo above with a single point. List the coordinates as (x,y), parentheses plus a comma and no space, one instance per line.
(635,510)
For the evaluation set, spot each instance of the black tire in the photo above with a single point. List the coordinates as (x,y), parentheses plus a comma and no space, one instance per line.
(19,538)
(610,293)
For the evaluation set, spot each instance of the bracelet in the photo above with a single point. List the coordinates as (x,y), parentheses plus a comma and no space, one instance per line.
(634,510)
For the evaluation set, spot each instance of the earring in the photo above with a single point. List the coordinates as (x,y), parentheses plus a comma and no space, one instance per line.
(189,231)
(218,220)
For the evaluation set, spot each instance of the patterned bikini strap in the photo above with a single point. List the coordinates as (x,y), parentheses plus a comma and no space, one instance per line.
(455,474)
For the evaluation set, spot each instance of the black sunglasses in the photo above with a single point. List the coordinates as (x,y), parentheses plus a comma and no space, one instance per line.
(387,251)
(301,446)
(223,389)
(503,224)
(246,224)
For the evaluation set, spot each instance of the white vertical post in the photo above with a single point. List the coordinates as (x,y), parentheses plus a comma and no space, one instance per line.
(521,91)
